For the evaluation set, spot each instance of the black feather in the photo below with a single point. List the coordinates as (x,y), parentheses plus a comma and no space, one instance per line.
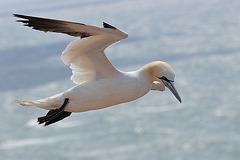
(105,25)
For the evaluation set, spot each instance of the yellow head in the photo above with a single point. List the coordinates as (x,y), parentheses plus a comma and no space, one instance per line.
(162,72)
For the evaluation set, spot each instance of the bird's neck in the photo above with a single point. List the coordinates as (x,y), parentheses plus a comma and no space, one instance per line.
(146,73)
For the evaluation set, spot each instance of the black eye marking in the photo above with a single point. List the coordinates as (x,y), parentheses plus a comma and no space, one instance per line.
(165,79)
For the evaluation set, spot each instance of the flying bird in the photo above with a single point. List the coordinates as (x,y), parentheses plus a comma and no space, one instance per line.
(98,83)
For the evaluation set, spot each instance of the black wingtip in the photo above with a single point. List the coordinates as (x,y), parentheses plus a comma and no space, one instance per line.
(19,15)
(105,25)
(15,15)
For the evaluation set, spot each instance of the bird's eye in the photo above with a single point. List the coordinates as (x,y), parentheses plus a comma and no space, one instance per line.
(165,79)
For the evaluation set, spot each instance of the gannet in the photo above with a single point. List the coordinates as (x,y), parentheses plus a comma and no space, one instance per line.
(98,83)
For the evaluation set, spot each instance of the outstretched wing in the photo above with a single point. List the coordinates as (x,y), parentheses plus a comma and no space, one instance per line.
(85,55)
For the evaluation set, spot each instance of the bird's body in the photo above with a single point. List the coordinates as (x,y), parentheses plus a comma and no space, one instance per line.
(103,93)
(98,83)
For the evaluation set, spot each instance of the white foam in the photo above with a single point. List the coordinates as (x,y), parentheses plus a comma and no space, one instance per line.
(161,109)
(13,144)
(32,124)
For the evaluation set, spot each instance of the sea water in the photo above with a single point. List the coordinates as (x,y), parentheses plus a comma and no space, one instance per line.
(200,39)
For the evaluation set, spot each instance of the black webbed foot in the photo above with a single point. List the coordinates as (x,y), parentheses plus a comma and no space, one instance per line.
(55,115)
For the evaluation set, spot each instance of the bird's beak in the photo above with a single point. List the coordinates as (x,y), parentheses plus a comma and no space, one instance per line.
(171,87)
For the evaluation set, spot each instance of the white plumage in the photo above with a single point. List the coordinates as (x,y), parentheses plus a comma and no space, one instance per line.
(98,83)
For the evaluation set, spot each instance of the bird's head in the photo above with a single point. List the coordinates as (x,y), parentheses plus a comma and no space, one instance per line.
(163,73)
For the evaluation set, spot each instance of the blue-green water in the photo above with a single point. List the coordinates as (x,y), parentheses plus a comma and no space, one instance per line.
(200,39)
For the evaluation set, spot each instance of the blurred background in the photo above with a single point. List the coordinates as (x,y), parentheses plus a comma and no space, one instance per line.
(200,39)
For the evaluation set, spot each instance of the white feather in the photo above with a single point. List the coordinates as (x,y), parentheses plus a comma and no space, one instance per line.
(87,59)
(99,84)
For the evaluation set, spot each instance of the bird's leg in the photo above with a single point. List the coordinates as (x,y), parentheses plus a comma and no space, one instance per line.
(55,115)
(63,115)
(60,110)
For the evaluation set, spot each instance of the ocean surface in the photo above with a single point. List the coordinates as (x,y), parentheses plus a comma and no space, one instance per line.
(200,39)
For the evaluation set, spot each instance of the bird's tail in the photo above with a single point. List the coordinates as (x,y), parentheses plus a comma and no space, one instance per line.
(25,103)
(46,103)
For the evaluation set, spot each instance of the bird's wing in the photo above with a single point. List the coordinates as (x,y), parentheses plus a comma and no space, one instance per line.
(85,55)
